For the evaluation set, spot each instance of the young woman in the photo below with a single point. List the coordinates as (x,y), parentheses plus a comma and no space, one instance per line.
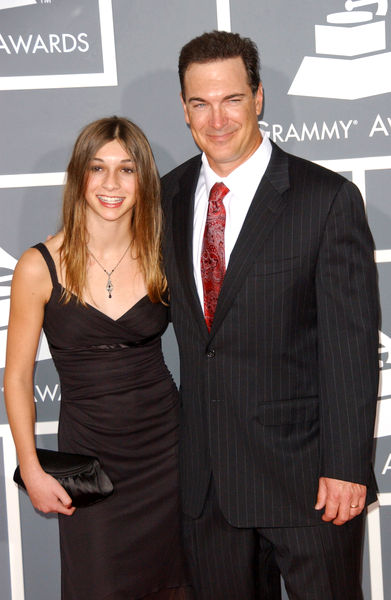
(97,289)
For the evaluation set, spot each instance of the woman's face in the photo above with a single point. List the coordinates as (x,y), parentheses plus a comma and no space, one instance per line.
(111,183)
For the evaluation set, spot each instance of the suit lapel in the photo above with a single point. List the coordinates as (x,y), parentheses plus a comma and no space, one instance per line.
(183,215)
(265,209)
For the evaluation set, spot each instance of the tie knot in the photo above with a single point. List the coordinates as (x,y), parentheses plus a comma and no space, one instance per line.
(218,192)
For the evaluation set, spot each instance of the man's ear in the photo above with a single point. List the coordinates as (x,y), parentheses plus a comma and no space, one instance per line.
(184,109)
(259,99)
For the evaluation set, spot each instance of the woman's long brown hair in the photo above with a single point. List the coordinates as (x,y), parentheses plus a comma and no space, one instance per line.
(146,222)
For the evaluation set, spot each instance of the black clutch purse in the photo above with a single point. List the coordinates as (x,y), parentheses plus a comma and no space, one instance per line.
(81,476)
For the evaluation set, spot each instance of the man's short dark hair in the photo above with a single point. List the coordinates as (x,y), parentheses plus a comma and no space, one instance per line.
(219,45)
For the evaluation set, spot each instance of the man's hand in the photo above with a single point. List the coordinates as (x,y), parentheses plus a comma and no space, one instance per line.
(342,500)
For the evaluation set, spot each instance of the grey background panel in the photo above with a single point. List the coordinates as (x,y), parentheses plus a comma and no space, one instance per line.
(28,212)
(293,37)
(384,271)
(384,524)
(44,104)
(33,46)
(379,216)
(4,542)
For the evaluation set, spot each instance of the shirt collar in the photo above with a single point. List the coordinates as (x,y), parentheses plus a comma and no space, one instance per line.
(248,173)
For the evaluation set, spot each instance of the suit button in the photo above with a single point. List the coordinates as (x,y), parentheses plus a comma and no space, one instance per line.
(211,353)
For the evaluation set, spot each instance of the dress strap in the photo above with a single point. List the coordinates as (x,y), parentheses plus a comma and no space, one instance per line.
(49,261)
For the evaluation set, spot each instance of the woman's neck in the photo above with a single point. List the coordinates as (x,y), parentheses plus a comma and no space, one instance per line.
(110,238)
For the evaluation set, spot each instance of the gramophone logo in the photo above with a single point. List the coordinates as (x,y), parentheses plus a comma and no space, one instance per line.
(49,44)
(351,59)
(7,266)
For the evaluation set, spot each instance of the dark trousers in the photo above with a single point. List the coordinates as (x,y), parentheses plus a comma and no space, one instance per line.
(322,562)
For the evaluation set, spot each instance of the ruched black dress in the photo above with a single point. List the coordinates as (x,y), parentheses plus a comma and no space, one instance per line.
(118,402)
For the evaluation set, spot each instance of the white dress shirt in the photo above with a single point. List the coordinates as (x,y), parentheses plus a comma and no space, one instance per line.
(242,184)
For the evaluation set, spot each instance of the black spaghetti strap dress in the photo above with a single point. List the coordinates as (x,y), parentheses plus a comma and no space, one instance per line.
(118,402)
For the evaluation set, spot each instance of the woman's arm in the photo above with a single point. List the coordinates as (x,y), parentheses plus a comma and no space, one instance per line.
(31,289)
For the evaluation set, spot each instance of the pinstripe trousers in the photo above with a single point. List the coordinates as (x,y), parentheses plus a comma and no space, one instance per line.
(321,562)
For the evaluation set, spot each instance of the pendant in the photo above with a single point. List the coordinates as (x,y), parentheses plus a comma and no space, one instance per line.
(109,286)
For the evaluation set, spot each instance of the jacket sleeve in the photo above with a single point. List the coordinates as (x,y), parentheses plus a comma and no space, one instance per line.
(348,323)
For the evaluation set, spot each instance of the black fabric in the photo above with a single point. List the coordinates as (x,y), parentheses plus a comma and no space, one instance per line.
(228,563)
(81,476)
(283,389)
(119,403)
(321,562)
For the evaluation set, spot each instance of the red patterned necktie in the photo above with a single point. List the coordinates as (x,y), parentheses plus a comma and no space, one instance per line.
(213,251)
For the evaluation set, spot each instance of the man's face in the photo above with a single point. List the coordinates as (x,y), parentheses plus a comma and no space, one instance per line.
(222,112)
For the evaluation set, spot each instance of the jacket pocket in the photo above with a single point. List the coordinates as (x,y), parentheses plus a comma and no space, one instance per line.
(287,412)
(276,266)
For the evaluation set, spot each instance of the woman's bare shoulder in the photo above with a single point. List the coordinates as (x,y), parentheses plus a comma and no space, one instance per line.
(32,273)
(33,264)
(30,264)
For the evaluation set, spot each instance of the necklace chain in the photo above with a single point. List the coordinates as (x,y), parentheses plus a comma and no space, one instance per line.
(109,284)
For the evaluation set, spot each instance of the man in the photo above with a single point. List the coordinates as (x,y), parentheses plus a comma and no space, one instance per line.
(279,374)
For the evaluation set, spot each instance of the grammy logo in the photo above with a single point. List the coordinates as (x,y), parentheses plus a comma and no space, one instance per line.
(351,59)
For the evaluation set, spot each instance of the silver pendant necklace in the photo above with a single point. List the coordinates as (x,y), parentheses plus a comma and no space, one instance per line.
(109,284)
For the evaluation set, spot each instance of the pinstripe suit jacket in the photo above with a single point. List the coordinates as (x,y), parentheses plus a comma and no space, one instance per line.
(283,389)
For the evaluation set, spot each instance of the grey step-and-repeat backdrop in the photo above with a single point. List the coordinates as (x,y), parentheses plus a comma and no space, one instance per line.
(63,63)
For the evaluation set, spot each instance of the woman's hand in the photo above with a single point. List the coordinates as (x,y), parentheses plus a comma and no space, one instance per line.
(46,494)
